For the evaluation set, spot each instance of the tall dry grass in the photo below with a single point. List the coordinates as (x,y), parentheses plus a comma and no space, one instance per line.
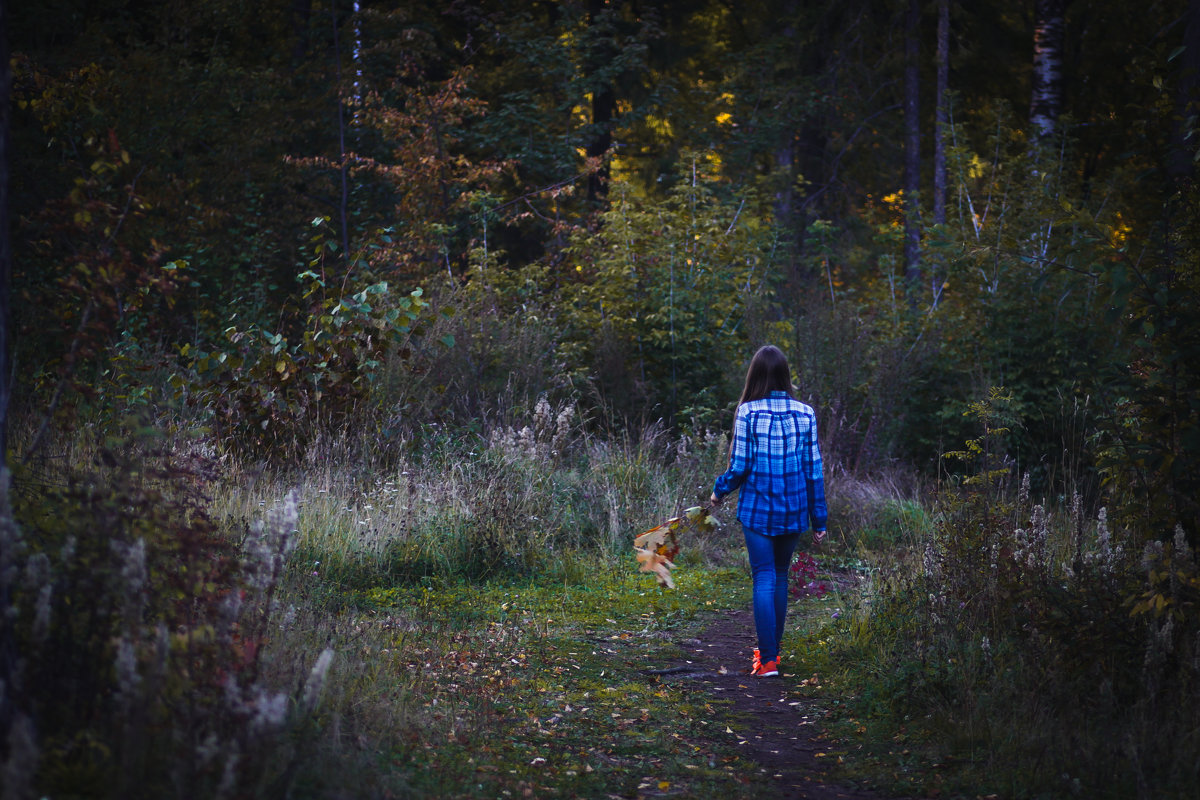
(521,498)
(538,499)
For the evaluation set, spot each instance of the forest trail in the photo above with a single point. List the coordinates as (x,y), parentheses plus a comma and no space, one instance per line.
(775,728)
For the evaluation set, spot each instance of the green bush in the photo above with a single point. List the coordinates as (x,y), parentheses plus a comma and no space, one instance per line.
(268,392)
(654,300)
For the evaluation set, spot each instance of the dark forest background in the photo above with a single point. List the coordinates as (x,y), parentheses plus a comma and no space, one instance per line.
(616,201)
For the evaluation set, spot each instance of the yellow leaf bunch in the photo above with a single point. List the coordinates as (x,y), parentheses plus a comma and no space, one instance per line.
(656,548)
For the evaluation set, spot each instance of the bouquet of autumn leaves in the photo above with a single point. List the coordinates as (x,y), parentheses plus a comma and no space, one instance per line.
(656,548)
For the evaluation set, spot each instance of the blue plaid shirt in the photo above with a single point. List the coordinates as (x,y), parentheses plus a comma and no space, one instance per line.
(777,465)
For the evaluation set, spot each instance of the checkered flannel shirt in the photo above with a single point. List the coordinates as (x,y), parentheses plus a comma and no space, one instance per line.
(777,465)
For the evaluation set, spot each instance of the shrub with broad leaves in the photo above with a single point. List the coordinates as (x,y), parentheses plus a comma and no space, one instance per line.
(268,391)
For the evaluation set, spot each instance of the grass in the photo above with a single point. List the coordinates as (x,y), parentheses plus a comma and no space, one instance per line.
(491,631)
(491,637)
(490,634)
(468,592)
(1009,658)
(514,687)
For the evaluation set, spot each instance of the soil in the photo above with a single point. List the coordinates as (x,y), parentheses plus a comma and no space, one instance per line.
(775,727)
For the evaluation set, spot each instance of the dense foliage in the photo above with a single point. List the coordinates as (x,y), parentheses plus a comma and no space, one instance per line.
(657,187)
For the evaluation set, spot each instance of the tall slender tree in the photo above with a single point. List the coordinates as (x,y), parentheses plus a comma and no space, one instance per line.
(1049,32)
(1180,162)
(912,148)
(343,166)
(942,113)
(941,121)
(604,97)
(785,153)
(8,650)
(5,234)
(300,14)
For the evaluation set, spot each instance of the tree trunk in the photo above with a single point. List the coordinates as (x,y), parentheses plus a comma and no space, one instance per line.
(942,114)
(301,12)
(6,371)
(1049,32)
(785,155)
(912,150)
(1180,162)
(604,104)
(8,645)
(940,132)
(344,196)
(819,58)
(784,207)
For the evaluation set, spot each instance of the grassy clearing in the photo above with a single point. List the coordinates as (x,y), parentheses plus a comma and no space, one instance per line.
(458,617)
(490,627)
(463,618)
(513,688)
(520,676)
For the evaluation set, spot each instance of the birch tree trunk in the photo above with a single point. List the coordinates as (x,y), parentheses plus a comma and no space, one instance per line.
(1049,32)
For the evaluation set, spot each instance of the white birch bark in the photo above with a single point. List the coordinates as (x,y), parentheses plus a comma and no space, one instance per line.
(1048,34)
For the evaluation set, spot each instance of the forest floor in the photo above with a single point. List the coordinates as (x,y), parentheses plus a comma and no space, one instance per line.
(611,688)
(775,727)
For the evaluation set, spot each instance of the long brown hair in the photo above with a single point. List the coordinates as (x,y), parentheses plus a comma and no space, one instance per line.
(768,373)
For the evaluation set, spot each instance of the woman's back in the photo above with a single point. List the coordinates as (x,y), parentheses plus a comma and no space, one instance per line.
(775,449)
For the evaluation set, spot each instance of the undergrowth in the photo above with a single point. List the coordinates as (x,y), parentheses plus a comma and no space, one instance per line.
(187,626)
(137,635)
(1024,649)
(464,619)
(538,496)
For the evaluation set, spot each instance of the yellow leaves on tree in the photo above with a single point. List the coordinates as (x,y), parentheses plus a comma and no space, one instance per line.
(656,548)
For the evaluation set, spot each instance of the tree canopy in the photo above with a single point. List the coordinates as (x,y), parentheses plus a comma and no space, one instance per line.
(631,194)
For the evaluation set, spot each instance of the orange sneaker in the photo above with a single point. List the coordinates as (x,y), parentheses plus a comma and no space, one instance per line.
(757,662)
(766,669)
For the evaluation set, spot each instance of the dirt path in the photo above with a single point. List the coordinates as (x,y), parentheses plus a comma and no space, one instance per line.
(774,727)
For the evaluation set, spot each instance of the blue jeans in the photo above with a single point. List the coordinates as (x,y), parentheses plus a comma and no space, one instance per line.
(770,558)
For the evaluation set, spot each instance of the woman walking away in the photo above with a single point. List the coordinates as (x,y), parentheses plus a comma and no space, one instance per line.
(776,464)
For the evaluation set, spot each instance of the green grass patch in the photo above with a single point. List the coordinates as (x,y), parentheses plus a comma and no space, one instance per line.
(533,687)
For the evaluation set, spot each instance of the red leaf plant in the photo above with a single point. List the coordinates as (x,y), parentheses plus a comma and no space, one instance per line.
(804,577)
